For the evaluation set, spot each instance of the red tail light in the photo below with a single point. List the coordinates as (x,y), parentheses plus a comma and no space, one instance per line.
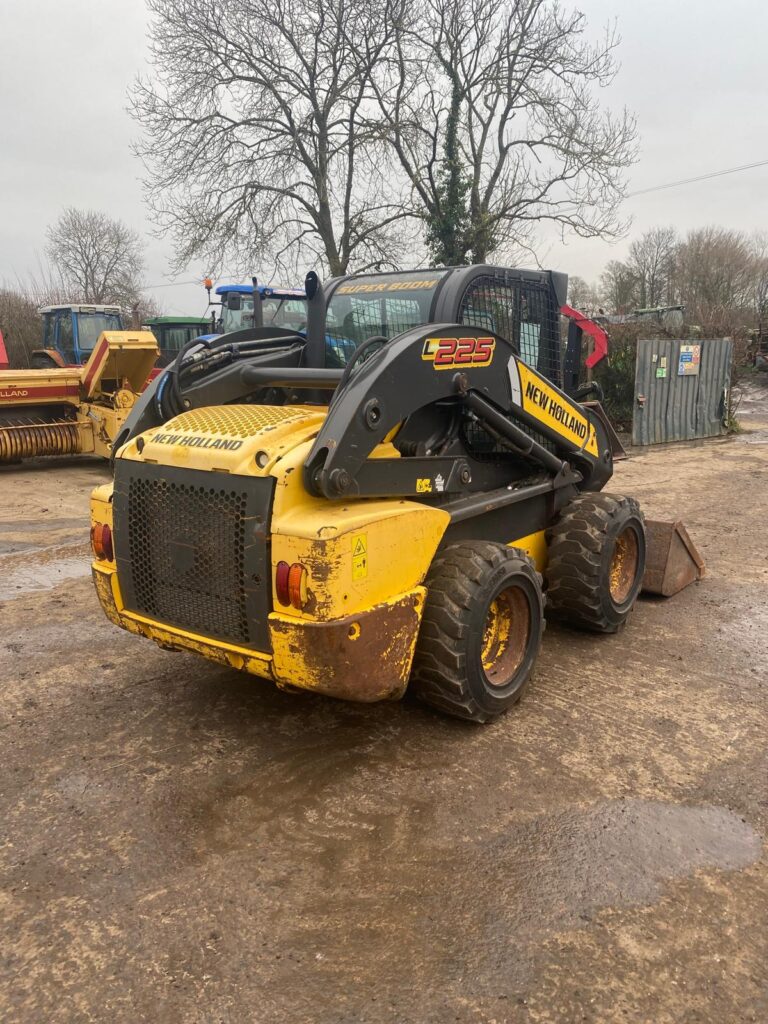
(291,584)
(281,582)
(101,542)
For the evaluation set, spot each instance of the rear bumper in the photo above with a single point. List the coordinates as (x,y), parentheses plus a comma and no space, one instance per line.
(364,657)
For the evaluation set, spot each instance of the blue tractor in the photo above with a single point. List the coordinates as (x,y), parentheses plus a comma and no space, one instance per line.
(71,332)
(280,307)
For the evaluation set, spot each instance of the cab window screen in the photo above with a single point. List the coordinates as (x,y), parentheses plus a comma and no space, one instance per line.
(361,308)
(66,338)
(177,337)
(520,311)
(90,326)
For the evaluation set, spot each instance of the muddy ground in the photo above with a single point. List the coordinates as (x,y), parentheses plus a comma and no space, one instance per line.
(185,845)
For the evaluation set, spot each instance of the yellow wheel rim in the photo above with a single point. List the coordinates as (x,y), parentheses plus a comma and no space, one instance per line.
(506,633)
(624,562)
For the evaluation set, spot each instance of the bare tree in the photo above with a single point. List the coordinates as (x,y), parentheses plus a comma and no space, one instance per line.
(652,260)
(256,136)
(581,295)
(19,325)
(19,320)
(491,110)
(759,247)
(714,277)
(99,259)
(619,287)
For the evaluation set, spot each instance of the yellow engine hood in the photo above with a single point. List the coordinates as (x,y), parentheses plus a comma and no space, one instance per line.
(242,439)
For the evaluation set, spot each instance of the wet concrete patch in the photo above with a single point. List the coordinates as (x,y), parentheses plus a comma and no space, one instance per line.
(27,535)
(15,546)
(44,525)
(530,878)
(370,892)
(42,570)
(617,853)
(613,853)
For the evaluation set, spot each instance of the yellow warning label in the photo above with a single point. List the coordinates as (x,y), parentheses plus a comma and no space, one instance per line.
(541,400)
(359,556)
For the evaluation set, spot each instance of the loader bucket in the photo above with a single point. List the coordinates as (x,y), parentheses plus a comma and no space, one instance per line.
(672,560)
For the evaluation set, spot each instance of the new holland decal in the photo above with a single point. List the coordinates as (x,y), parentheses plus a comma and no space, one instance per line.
(194,441)
(445,353)
(540,399)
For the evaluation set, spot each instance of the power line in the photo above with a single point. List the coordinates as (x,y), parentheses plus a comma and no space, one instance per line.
(173,284)
(198,281)
(700,177)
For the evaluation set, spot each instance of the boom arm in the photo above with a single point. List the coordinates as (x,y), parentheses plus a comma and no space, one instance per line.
(595,332)
(479,377)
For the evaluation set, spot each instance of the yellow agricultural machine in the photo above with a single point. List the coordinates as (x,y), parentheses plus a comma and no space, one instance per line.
(65,411)
(386,500)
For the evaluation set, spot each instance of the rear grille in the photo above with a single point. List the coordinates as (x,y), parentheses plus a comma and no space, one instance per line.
(195,579)
(194,554)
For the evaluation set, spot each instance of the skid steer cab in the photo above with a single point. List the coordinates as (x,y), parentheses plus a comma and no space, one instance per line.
(382,513)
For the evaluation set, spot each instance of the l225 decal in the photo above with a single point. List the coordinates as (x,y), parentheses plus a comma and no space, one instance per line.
(445,353)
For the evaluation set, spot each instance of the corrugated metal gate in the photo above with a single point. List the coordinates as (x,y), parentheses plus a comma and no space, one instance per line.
(681,389)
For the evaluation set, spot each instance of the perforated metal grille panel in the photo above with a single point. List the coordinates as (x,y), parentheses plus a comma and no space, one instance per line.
(196,579)
(520,311)
(233,420)
(192,549)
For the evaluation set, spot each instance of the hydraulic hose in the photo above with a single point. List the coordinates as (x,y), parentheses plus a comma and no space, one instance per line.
(354,359)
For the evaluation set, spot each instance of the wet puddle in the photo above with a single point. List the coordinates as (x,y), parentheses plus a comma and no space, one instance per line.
(550,872)
(42,570)
(617,853)
(20,535)
(402,875)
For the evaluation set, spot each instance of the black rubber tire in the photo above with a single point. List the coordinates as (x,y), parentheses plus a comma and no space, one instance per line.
(581,546)
(462,584)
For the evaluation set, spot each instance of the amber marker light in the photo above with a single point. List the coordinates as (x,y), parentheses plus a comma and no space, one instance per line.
(291,584)
(101,542)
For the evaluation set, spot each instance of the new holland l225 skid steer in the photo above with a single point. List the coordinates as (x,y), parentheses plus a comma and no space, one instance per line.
(353,529)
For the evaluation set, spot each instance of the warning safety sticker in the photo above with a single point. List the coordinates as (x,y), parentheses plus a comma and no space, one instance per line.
(359,556)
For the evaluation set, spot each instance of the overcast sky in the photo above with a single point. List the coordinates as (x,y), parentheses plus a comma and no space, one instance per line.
(694,71)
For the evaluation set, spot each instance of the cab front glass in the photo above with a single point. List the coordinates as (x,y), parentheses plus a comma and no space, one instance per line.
(385,305)
(91,325)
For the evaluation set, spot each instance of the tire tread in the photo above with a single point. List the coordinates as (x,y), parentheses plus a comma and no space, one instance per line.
(575,545)
(439,674)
